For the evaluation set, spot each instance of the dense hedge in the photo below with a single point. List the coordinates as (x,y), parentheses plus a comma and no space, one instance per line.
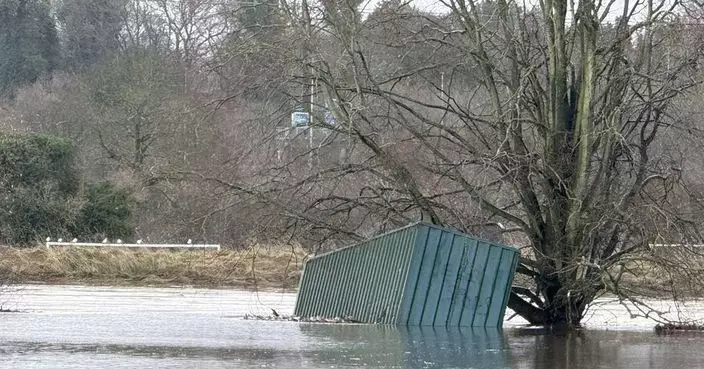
(106,212)
(41,194)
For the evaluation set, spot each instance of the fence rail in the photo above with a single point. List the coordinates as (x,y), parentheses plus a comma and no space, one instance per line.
(134,245)
(674,245)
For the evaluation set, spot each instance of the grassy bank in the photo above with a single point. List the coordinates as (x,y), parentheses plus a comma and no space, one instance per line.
(270,267)
(665,272)
(660,274)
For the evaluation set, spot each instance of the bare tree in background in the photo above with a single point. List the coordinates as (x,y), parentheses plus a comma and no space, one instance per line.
(568,129)
(555,125)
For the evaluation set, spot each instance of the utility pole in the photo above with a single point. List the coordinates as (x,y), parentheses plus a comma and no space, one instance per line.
(442,96)
(310,121)
(309,33)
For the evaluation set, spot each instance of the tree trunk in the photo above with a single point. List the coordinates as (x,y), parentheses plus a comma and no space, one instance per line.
(560,307)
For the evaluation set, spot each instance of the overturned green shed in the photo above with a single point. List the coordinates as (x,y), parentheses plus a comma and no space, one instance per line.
(417,275)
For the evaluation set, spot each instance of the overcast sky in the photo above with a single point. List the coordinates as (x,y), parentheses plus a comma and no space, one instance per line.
(436,6)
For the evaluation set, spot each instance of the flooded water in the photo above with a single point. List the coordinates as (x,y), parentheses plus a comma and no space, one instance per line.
(94,327)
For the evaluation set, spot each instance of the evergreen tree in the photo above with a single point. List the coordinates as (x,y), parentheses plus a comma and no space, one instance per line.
(29,43)
(90,30)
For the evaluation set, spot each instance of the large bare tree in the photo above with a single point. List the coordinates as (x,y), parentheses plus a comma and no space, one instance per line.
(558,125)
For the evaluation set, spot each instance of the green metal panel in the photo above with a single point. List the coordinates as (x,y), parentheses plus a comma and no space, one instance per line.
(512,274)
(404,311)
(437,278)
(476,278)
(451,278)
(486,291)
(417,275)
(425,274)
(364,281)
(501,290)
(465,272)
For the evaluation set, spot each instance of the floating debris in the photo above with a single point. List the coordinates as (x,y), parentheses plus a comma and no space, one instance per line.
(293,318)
(675,328)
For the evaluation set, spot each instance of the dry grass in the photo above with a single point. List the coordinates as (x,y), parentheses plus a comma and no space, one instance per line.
(267,267)
(663,273)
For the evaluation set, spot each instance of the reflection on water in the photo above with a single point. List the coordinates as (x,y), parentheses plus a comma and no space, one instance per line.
(412,347)
(605,349)
(84,327)
(483,348)
(429,347)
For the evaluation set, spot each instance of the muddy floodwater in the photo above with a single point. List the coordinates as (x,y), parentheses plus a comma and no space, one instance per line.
(105,327)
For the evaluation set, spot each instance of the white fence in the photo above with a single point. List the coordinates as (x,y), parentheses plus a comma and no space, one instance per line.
(144,245)
(674,245)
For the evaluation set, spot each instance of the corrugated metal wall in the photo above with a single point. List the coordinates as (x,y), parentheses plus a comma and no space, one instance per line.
(418,275)
(365,281)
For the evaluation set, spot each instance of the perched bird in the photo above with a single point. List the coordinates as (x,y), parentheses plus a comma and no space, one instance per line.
(60,240)
(119,240)
(139,241)
(189,241)
(48,239)
(105,240)
(74,240)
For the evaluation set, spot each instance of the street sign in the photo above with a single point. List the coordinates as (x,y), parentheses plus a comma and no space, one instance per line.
(300,119)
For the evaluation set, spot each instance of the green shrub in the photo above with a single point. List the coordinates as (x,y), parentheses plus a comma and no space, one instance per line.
(38,160)
(40,194)
(29,212)
(106,212)
(39,185)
